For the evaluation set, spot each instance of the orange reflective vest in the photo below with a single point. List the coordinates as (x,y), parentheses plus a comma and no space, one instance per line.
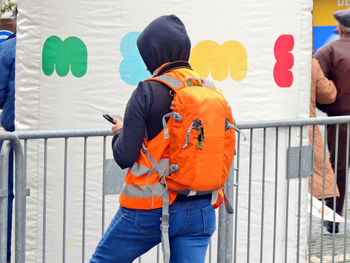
(143,186)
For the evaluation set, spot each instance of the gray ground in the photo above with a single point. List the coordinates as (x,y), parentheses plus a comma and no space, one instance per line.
(328,247)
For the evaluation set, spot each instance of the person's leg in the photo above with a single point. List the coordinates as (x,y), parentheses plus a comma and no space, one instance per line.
(190,230)
(131,233)
(341,163)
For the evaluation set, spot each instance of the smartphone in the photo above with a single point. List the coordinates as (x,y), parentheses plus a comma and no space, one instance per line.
(110,117)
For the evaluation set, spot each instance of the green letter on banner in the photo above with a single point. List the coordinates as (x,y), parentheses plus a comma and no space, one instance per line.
(70,53)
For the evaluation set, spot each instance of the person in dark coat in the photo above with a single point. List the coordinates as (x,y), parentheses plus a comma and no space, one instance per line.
(165,47)
(334,59)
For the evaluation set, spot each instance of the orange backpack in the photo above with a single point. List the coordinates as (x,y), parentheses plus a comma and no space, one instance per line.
(202,137)
(202,144)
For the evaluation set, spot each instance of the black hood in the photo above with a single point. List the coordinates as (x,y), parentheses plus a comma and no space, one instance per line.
(164,40)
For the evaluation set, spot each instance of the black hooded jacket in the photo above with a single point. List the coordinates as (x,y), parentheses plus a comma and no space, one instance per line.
(164,40)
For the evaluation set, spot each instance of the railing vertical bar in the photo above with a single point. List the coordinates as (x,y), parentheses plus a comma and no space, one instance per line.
(5,152)
(84,202)
(249,193)
(275,203)
(25,150)
(44,200)
(221,251)
(158,254)
(263,198)
(229,185)
(299,194)
(210,251)
(287,206)
(323,188)
(20,201)
(65,199)
(103,184)
(312,191)
(335,187)
(24,221)
(236,205)
(346,188)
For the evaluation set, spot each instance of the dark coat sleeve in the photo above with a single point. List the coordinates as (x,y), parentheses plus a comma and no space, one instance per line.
(126,144)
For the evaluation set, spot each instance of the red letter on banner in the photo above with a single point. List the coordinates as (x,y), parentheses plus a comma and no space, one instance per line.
(284,61)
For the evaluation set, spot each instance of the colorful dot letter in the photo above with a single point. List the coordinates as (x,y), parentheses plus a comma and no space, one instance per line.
(284,61)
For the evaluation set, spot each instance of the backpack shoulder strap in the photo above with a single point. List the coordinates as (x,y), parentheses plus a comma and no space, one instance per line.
(171,82)
(174,83)
(194,81)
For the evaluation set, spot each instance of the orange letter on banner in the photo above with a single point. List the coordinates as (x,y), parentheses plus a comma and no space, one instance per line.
(284,61)
(231,57)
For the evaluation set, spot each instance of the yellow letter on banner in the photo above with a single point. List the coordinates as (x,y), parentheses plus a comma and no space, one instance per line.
(230,56)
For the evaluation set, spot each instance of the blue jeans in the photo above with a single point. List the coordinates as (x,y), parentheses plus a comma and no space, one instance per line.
(133,232)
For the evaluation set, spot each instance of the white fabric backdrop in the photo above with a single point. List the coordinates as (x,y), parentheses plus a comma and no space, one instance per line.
(46,101)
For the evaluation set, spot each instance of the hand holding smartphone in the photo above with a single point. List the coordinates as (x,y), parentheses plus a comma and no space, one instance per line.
(116,125)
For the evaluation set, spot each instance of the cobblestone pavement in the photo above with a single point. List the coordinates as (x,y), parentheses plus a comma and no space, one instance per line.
(340,239)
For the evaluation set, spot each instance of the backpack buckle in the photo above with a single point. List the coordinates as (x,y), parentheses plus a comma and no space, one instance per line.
(165,222)
(177,116)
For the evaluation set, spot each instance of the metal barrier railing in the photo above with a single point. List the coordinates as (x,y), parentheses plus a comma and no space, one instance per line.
(66,134)
(20,201)
(312,254)
(20,183)
(229,243)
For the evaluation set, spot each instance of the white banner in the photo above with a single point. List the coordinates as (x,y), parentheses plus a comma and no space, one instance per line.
(77,60)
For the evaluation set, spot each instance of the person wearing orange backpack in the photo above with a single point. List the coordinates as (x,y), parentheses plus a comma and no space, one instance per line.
(139,144)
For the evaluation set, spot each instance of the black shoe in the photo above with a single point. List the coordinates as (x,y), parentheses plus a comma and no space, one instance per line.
(329,226)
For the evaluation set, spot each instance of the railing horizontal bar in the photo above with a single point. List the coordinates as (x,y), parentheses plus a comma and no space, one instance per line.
(44,134)
(293,122)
